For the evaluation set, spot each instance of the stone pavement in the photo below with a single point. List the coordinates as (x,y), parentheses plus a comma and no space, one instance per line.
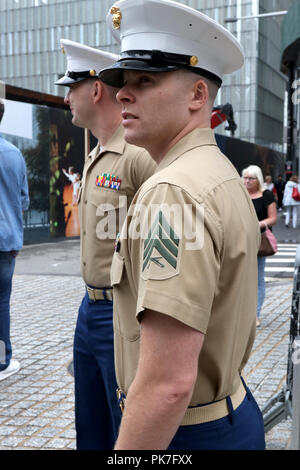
(36,410)
(37,404)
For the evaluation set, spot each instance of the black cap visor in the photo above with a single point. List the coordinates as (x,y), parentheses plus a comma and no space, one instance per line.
(67,81)
(74,77)
(114,75)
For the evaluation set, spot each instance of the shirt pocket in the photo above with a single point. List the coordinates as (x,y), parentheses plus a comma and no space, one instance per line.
(110,209)
(126,325)
(107,199)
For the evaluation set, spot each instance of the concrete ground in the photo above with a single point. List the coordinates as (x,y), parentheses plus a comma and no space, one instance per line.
(37,404)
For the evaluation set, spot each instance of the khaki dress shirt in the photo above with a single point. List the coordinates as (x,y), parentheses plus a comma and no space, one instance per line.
(111,177)
(188,249)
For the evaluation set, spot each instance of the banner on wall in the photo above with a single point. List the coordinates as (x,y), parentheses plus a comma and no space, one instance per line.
(17,119)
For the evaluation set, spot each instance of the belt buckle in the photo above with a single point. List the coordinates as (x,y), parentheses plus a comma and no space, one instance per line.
(91,293)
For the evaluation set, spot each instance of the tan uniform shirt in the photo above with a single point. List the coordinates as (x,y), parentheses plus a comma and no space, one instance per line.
(207,281)
(110,179)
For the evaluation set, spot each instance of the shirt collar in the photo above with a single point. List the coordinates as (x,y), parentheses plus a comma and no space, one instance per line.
(115,144)
(197,138)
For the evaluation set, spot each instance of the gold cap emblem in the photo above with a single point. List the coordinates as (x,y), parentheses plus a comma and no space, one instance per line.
(194,60)
(92,73)
(117,16)
(62,49)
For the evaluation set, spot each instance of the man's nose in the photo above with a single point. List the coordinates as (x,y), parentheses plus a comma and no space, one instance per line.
(124,95)
(66,98)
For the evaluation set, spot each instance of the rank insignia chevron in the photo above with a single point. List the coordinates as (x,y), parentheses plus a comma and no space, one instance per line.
(161,250)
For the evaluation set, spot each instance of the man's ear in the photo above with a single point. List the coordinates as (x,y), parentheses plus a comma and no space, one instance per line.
(97,91)
(200,95)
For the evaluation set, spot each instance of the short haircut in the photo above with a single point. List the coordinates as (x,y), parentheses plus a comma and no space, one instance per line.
(212,87)
(112,91)
(2,109)
(255,171)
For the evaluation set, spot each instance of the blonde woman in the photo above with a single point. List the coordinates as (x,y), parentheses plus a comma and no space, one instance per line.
(265,207)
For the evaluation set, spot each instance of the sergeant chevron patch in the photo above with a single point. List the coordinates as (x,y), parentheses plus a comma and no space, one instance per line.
(162,250)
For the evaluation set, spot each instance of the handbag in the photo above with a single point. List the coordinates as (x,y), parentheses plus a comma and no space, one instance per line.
(296,194)
(268,245)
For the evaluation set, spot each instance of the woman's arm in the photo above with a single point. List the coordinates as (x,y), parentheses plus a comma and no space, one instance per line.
(272,216)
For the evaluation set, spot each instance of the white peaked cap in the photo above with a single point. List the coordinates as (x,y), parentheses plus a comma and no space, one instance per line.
(167,33)
(83,62)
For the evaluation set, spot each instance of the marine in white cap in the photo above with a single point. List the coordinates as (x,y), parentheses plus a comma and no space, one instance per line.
(151,41)
(83,62)
(184,271)
(112,174)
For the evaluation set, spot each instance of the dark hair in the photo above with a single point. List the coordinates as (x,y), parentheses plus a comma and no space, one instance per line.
(1,109)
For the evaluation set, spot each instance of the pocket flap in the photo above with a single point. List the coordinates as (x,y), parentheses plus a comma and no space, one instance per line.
(107,199)
(79,194)
(117,267)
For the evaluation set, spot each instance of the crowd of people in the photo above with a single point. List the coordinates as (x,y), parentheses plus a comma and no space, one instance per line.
(167,320)
(284,198)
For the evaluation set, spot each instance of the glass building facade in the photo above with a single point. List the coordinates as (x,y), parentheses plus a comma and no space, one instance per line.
(53,149)
(30,55)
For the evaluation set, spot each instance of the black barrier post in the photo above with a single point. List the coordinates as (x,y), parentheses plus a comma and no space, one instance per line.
(295,439)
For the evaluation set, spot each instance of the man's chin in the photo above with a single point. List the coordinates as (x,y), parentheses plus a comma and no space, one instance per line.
(133,138)
(77,123)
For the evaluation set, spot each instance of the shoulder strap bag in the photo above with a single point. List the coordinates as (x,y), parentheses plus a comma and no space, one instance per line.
(296,194)
(268,245)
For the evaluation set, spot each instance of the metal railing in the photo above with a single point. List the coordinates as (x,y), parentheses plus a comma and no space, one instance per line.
(287,402)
